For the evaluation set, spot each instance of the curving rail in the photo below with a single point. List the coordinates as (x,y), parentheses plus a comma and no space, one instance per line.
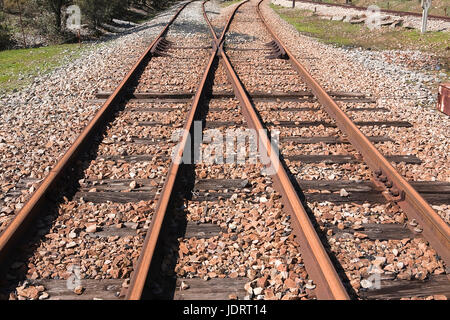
(435,230)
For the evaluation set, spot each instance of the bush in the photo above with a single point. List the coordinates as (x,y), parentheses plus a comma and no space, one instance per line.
(46,19)
(96,12)
(5,35)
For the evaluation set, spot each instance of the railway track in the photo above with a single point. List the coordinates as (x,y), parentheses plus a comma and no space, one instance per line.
(148,219)
(395,12)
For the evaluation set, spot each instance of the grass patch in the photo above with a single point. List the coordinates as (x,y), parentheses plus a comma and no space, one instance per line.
(17,67)
(229,3)
(358,35)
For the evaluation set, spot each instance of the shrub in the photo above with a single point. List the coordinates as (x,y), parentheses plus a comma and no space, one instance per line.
(5,35)
(96,12)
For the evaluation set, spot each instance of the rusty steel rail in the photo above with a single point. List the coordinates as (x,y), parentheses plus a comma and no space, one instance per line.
(394,12)
(218,41)
(435,230)
(141,270)
(317,261)
(12,234)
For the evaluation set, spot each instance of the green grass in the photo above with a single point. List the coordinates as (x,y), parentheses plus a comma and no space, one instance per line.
(321,29)
(358,35)
(17,67)
(229,3)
